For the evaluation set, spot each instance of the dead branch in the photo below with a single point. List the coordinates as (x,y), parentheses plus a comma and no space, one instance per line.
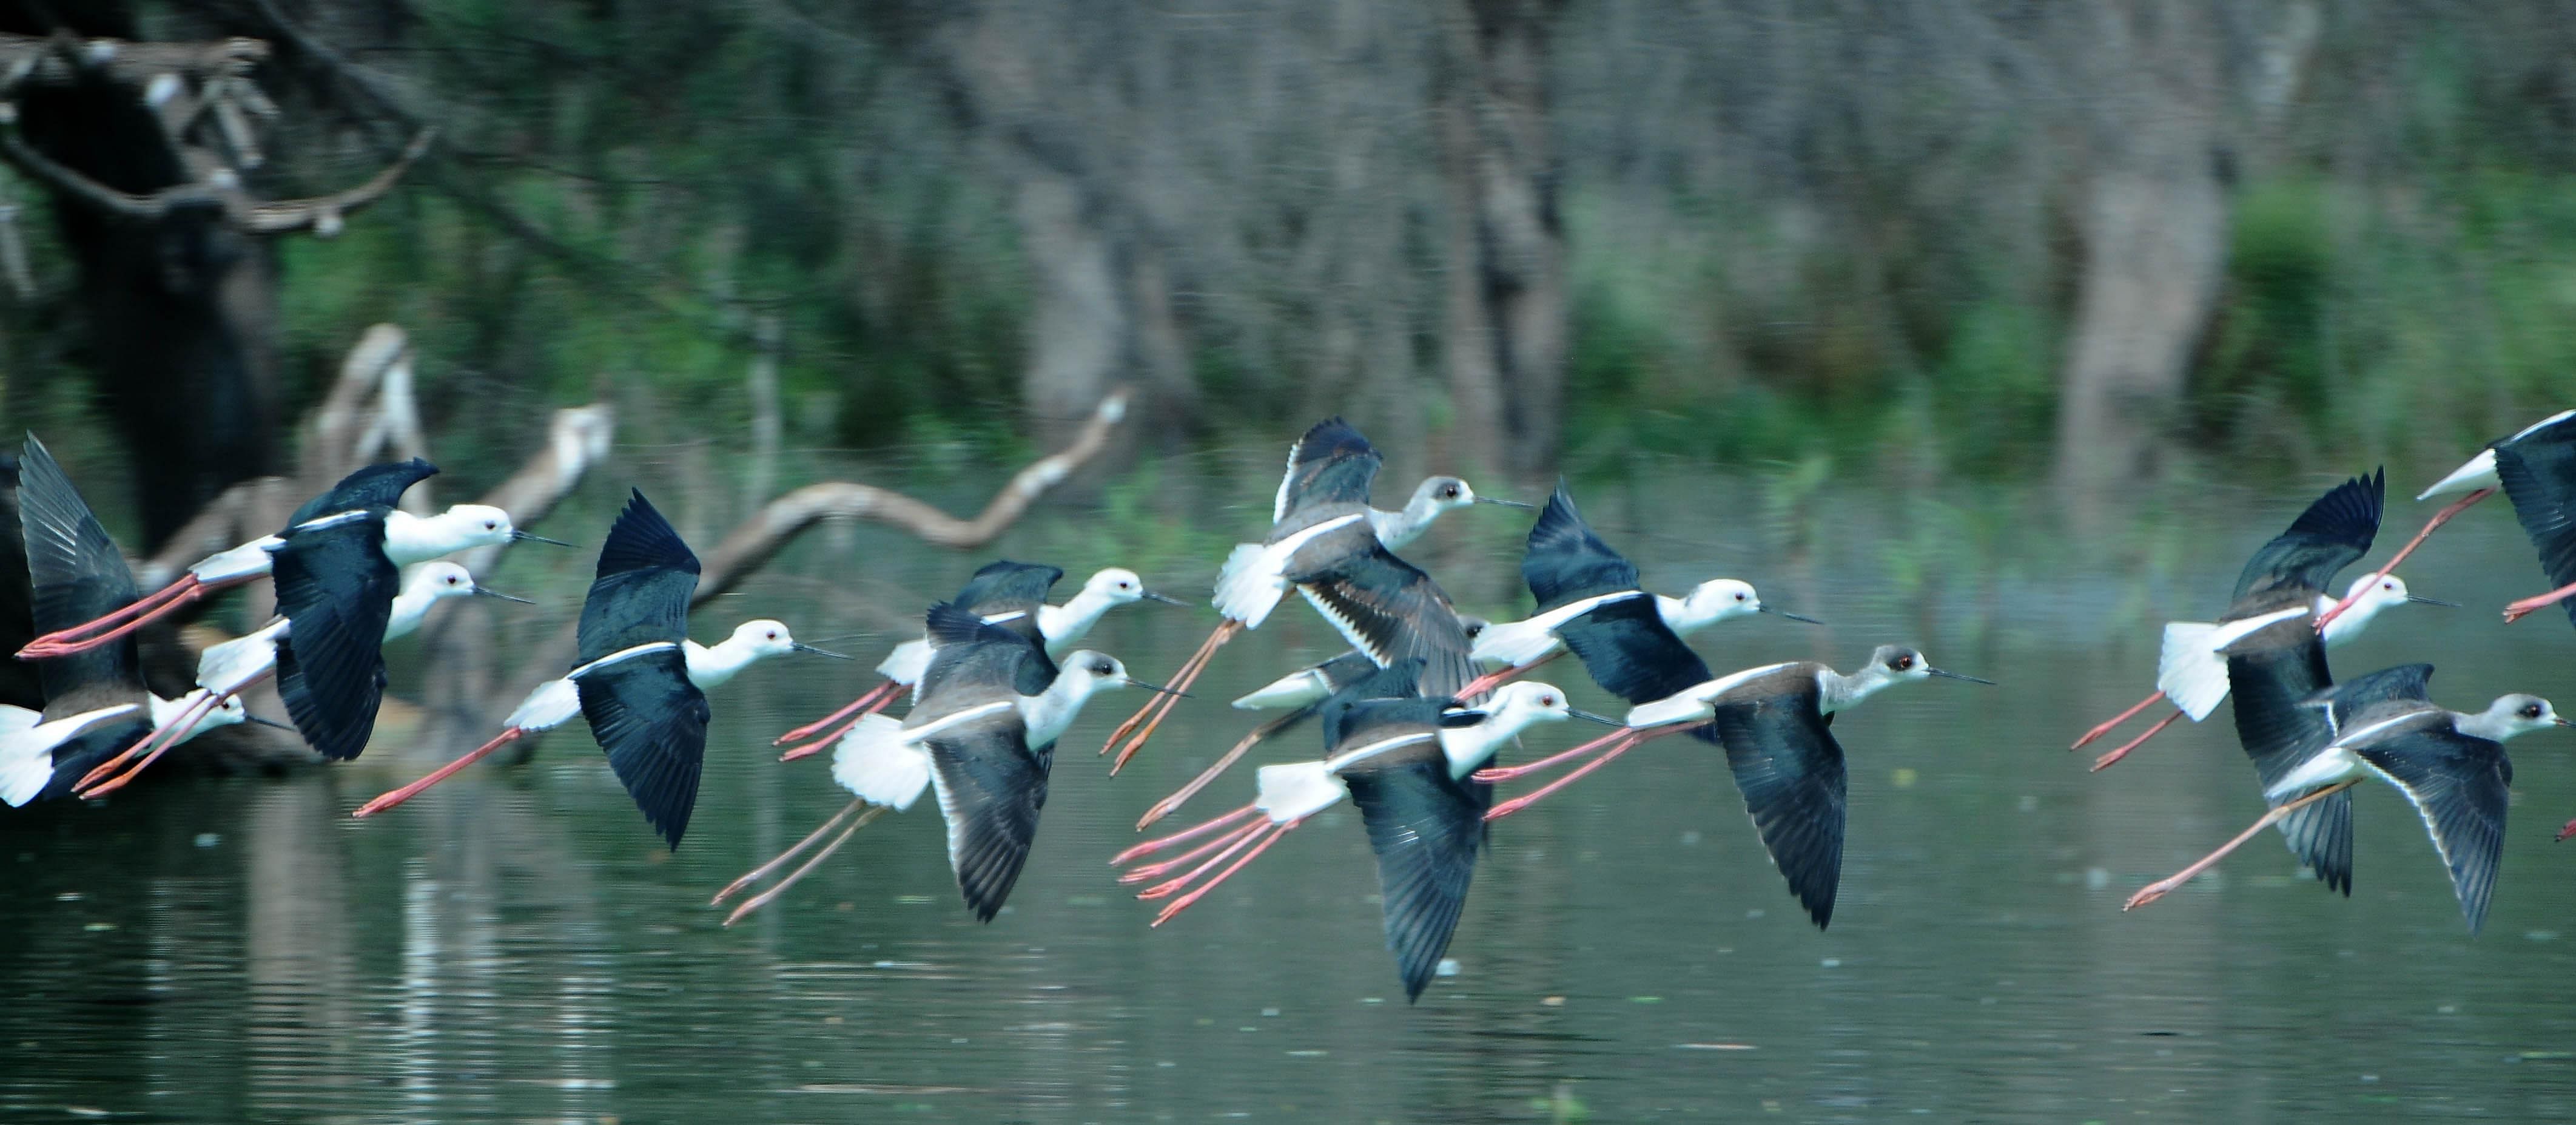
(773,527)
(62,60)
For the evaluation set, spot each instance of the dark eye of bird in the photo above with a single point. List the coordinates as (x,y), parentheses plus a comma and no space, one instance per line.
(2531,710)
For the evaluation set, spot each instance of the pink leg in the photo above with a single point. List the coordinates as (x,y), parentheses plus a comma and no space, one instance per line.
(385,801)
(2116,720)
(1169,805)
(135,615)
(2569,830)
(2163,887)
(1507,773)
(1516,804)
(764,898)
(1183,903)
(1198,664)
(98,783)
(2518,610)
(1153,871)
(817,746)
(1496,678)
(846,712)
(1149,847)
(2122,751)
(2439,518)
(1173,886)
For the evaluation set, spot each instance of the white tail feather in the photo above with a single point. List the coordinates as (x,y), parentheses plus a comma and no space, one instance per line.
(1511,644)
(876,763)
(15,719)
(2191,672)
(1251,584)
(1297,790)
(553,704)
(1295,689)
(26,765)
(909,660)
(1664,712)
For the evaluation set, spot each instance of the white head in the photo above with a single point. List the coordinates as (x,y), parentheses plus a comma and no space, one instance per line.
(1118,585)
(2371,593)
(460,528)
(441,580)
(1086,671)
(1888,665)
(763,638)
(1720,599)
(1518,705)
(2511,715)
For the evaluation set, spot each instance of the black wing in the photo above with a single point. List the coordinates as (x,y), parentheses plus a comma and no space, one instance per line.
(2459,785)
(974,662)
(336,588)
(2345,702)
(1342,712)
(1331,464)
(74,757)
(646,577)
(1425,827)
(1791,771)
(2332,534)
(1392,611)
(75,575)
(991,788)
(1628,650)
(2539,475)
(1002,586)
(2280,731)
(372,487)
(1566,562)
(652,722)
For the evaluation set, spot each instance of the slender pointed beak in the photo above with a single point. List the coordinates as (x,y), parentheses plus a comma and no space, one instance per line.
(1588,716)
(801,646)
(1787,614)
(516,535)
(2564,721)
(1166,599)
(1956,676)
(1156,688)
(2432,601)
(247,717)
(1502,503)
(483,592)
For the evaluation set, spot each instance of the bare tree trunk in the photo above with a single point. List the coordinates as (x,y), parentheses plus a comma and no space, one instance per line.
(2154,226)
(1504,344)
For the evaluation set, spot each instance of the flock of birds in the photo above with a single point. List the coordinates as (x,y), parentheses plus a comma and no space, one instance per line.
(1413,717)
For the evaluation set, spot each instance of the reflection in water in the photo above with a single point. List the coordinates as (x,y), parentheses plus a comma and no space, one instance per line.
(517,946)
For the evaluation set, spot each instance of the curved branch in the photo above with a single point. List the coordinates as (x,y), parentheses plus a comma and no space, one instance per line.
(323,214)
(773,527)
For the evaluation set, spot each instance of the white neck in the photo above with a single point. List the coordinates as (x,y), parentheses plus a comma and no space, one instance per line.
(412,539)
(1469,748)
(410,607)
(2492,724)
(1062,625)
(1841,691)
(1048,714)
(711,665)
(2343,630)
(1395,529)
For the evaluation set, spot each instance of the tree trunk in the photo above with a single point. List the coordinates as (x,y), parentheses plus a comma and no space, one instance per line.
(1504,341)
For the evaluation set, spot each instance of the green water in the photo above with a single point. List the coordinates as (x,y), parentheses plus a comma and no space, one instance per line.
(516,946)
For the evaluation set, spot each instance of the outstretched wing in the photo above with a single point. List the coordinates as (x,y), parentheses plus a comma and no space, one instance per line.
(2280,731)
(1392,611)
(2538,469)
(641,594)
(1331,464)
(976,662)
(991,788)
(2459,784)
(336,589)
(652,722)
(2374,694)
(2332,534)
(75,575)
(1002,586)
(372,487)
(1425,827)
(1566,562)
(1791,770)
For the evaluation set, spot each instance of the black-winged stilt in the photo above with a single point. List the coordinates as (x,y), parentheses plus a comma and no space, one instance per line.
(1775,723)
(1405,762)
(95,700)
(998,591)
(1301,693)
(2451,766)
(1588,597)
(406,539)
(224,671)
(982,735)
(2288,578)
(2536,468)
(1327,543)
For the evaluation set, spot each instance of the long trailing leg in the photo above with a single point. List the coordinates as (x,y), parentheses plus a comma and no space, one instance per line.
(818,745)
(2115,721)
(1516,804)
(764,898)
(1184,902)
(1169,805)
(1498,774)
(2162,887)
(1171,699)
(2439,518)
(1223,841)
(391,798)
(134,615)
(98,782)
(875,695)
(1149,847)
(2122,751)
(1499,676)
(2516,611)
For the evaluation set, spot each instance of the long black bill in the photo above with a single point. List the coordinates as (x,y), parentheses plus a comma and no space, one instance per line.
(247,717)
(1502,503)
(2432,601)
(1156,688)
(1151,596)
(480,592)
(1604,720)
(516,535)
(801,646)
(1787,614)
(1956,676)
